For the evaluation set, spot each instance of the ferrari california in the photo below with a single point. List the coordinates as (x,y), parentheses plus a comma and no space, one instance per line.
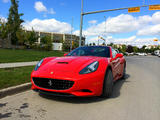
(85,71)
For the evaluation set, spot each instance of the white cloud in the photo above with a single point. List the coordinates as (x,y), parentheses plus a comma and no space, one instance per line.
(48,25)
(40,7)
(124,40)
(3,19)
(153,28)
(92,22)
(123,23)
(156,18)
(150,30)
(5,1)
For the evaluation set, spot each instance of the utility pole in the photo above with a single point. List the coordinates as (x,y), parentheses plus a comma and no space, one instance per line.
(71,35)
(81,25)
(105,31)
(98,40)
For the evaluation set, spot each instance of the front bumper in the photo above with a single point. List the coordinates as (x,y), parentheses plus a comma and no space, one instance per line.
(84,85)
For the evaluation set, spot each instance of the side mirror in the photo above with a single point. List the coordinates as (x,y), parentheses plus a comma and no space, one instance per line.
(65,54)
(119,55)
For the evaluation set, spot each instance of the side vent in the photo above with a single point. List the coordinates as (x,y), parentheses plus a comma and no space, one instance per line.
(62,62)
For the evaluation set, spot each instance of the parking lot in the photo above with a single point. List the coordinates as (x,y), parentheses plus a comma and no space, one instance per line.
(135,98)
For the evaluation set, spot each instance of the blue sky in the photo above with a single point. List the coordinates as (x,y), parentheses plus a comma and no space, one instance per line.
(121,26)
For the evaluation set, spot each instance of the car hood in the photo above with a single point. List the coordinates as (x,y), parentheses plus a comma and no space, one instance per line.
(73,63)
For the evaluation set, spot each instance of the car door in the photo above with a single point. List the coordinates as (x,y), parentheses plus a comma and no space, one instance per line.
(115,64)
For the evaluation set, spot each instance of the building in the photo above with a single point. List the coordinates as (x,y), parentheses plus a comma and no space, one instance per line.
(64,39)
(151,46)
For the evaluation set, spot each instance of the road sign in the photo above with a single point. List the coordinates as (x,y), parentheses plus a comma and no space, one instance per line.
(134,9)
(155,40)
(154,7)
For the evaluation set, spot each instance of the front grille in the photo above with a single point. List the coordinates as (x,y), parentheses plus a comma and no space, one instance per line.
(54,84)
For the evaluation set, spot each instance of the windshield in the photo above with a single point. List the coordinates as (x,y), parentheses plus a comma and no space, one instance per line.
(99,51)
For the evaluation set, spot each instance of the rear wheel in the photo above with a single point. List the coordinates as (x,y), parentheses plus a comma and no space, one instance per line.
(108,84)
(124,71)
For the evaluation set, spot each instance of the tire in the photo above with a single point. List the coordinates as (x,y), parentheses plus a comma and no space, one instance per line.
(107,85)
(124,72)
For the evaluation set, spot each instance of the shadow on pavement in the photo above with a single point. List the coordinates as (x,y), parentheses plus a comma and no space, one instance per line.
(85,100)
(118,85)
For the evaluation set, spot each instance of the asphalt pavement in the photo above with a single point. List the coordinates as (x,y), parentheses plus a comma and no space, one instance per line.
(135,98)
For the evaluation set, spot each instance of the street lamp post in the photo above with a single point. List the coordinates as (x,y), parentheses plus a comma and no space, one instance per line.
(71,35)
(81,25)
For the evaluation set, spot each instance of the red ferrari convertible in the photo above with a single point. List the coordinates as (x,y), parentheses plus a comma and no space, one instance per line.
(85,71)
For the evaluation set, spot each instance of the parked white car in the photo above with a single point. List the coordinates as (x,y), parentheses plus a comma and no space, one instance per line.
(142,54)
(157,52)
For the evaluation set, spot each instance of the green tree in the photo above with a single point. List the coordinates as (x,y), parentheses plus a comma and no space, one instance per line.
(111,44)
(75,45)
(22,37)
(46,42)
(129,49)
(135,49)
(124,48)
(3,29)
(14,21)
(104,44)
(143,48)
(114,46)
(31,37)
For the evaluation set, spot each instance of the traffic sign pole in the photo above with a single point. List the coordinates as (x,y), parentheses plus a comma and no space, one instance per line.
(134,9)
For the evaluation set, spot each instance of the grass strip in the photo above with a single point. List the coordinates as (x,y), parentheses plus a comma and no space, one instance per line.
(15,76)
(13,55)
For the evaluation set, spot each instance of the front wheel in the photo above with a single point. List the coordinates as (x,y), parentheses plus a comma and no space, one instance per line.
(108,84)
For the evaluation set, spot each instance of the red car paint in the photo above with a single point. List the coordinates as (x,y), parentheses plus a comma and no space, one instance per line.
(68,68)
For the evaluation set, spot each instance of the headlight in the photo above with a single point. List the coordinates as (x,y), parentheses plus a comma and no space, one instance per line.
(90,68)
(38,65)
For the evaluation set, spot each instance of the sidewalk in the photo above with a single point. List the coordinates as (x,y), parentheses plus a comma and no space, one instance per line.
(18,64)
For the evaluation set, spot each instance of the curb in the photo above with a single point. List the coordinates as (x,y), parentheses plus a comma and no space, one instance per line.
(14,90)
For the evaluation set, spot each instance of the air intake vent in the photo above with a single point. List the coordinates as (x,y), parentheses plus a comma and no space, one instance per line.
(62,62)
